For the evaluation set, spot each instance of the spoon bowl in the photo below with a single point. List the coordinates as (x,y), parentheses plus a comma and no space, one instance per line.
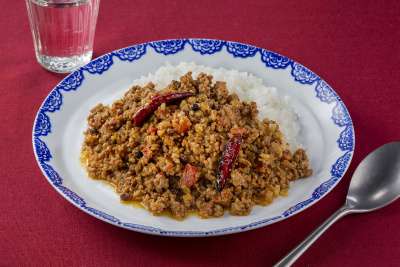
(375,184)
(376,181)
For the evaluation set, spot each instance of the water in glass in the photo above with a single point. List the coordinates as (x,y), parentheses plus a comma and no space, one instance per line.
(63,32)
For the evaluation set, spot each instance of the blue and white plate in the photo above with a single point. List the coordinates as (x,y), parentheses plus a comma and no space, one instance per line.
(326,130)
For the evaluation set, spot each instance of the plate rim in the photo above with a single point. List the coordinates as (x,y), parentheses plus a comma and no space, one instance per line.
(204,46)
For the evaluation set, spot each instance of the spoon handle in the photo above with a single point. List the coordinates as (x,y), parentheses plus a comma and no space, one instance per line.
(290,258)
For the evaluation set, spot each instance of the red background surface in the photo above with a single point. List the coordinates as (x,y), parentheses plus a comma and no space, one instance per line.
(352,45)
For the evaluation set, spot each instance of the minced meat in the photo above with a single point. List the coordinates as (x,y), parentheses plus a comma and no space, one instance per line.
(170,162)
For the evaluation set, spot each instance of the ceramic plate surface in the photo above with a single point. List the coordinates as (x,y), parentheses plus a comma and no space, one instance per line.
(326,130)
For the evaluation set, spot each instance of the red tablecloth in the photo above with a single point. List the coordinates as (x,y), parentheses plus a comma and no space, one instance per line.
(352,45)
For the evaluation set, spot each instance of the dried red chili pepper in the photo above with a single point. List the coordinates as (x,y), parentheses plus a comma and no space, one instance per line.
(156,101)
(228,160)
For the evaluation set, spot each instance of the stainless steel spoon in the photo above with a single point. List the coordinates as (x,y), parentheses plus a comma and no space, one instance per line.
(375,184)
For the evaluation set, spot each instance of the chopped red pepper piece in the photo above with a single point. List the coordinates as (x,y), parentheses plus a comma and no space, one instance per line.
(190,176)
(168,166)
(156,101)
(152,130)
(228,161)
(223,198)
(238,131)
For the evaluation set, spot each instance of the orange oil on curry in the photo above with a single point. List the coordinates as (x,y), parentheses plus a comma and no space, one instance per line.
(138,205)
(133,203)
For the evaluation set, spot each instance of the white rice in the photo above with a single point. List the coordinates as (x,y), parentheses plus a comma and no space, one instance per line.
(247,86)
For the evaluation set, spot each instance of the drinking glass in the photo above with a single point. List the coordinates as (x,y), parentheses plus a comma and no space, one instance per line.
(63,32)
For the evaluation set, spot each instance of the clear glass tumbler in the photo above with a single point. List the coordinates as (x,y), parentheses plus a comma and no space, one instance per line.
(63,32)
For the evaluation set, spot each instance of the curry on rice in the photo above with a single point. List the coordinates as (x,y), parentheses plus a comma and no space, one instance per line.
(172,159)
